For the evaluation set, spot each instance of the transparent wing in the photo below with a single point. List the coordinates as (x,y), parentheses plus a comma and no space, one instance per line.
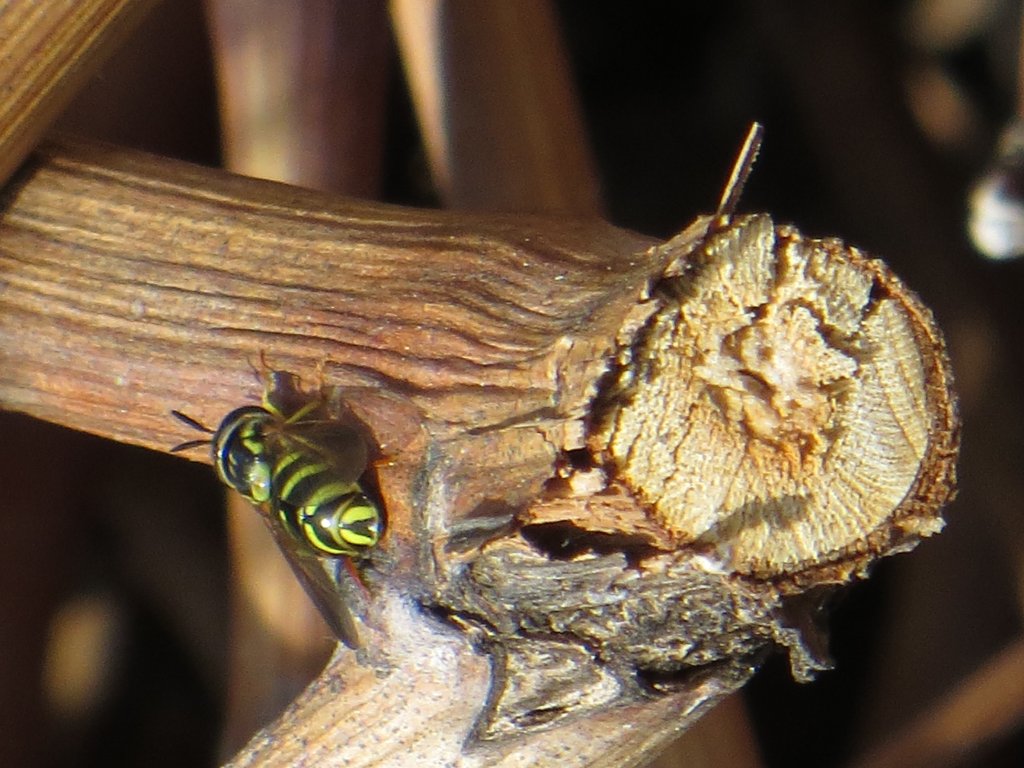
(324,590)
(339,445)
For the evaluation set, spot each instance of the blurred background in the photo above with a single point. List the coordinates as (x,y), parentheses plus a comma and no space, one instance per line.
(117,641)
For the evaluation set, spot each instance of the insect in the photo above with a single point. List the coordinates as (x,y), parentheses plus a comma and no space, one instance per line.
(302,471)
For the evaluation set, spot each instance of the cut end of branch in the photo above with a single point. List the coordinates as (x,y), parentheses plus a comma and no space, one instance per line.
(788,409)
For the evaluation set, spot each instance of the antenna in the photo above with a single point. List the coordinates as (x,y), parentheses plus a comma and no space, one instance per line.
(185,419)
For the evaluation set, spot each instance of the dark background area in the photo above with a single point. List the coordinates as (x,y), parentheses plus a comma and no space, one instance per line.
(861,142)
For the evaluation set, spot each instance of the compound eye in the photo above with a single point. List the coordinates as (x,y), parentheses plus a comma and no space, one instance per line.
(258,478)
(246,472)
(240,453)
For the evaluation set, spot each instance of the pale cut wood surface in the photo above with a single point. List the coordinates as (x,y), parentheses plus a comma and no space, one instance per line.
(47,50)
(815,388)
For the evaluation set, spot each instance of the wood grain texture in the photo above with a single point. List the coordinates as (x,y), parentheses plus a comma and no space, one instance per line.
(134,285)
(47,50)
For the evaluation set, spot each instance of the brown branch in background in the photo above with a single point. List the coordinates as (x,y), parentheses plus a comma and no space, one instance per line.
(303,89)
(496,106)
(984,706)
(722,738)
(48,50)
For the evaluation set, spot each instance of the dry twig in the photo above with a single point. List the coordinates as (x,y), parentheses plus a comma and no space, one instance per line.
(615,471)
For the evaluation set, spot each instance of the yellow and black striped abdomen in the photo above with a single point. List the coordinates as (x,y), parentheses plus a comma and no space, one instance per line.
(331,515)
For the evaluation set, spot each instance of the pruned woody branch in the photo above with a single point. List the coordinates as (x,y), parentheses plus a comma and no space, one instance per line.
(616,472)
